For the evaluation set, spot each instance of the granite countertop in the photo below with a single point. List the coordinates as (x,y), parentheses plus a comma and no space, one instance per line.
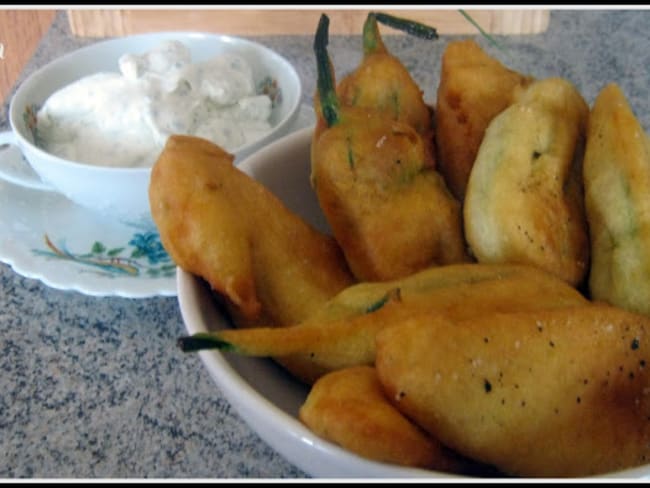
(95,387)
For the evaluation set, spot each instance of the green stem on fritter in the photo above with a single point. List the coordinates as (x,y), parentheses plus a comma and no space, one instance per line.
(372,41)
(411,27)
(393,294)
(203,340)
(326,89)
(490,39)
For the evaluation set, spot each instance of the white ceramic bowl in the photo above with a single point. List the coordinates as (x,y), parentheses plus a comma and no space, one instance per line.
(122,192)
(262,393)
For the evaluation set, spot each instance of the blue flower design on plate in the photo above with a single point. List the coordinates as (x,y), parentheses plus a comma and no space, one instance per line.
(145,257)
(149,246)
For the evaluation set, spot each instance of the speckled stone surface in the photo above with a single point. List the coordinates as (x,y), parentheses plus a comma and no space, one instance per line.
(96,388)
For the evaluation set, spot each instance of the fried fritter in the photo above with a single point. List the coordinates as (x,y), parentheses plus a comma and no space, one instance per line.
(561,392)
(388,208)
(473,89)
(342,333)
(348,407)
(219,223)
(525,201)
(617,179)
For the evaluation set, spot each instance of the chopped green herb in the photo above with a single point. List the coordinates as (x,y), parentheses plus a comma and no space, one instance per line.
(350,155)
(391,294)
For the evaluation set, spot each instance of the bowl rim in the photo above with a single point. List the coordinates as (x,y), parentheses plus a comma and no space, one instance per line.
(15,111)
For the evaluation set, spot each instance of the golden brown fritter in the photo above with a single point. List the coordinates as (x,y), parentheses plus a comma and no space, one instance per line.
(473,89)
(524,202)
(554,393)
(342,333)
(219,223)
(348,407)
(617,198)
(388,208)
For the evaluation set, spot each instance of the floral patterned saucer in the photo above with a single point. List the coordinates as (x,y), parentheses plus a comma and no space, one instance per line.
(45,236)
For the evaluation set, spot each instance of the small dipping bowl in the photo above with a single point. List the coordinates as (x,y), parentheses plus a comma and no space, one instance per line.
(118,191)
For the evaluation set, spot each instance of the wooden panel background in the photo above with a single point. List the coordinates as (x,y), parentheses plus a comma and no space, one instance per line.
(101,23)
(22,29)
(20,33)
